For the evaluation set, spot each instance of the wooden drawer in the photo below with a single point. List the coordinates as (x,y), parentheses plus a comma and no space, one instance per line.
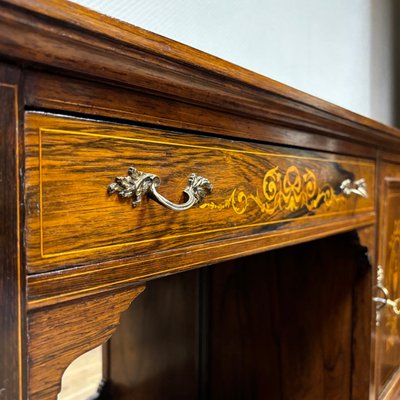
(258,190)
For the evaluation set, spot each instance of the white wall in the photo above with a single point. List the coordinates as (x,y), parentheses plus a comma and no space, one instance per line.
(339,50)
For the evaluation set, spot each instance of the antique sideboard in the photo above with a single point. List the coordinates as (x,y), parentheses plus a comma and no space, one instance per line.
(130,161)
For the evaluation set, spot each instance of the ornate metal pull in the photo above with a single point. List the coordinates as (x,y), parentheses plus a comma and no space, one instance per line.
(138,184)
(358,187)
(384,300)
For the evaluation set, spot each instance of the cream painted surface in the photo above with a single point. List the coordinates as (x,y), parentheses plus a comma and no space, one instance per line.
(339,50)
(82,378)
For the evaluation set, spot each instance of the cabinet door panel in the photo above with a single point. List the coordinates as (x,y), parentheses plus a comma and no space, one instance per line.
(388,322)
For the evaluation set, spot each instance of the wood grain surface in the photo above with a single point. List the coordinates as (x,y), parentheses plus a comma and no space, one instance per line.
(115,52)
(283,324)
(58,286)
(257,189)
(272,330)
(287,324)
(155,353)
(387,346)
(362,311)
(57,336)
(79,96)
(12,273)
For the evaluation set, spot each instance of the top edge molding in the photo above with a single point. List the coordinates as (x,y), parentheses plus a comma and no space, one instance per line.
(66,36)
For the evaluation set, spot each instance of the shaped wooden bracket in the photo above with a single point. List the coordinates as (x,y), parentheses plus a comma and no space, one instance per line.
(61,333)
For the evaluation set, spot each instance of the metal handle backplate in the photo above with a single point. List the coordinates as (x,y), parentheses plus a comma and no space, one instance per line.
(138,184)
(385,298)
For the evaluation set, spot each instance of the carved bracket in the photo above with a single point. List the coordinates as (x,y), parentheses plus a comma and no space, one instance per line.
(60,334)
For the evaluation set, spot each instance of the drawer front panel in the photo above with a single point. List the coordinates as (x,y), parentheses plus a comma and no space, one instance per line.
(257,189)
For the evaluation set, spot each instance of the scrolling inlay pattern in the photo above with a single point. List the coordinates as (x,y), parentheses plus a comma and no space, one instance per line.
(289,191)
(394,269)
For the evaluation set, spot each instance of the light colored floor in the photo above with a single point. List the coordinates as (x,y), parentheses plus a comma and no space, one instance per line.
(81,379)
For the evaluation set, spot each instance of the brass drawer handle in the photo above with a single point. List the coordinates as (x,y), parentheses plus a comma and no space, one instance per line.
(384,300)
(358,187)
(138,184)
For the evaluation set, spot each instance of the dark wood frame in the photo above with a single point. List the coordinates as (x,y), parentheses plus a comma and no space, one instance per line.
(12,274)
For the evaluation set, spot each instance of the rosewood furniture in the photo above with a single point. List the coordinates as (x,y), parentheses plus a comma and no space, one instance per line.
(130,160)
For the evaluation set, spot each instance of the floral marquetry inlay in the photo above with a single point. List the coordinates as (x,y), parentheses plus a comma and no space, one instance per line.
(393,267)
(290,190)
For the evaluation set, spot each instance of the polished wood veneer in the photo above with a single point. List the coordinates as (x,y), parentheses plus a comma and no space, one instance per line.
(259,190)
(387,350)
(83,97)
(246,352)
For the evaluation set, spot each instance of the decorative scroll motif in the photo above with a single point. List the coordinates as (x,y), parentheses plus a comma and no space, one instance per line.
(139,184)
(290,191)
(135,185)
(393,266)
